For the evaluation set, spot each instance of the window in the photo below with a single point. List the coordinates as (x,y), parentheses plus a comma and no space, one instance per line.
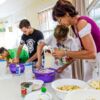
(88,2)
(94,10)
(94,13)
(46,22)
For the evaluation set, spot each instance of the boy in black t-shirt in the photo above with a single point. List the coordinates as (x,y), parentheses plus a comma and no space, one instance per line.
(30,37)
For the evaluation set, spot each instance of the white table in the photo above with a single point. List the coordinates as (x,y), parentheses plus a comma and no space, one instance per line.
(10,88)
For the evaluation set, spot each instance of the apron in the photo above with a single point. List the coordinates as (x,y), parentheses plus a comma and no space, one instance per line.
(66,73)
(77,69)
(89,69)
(92,68)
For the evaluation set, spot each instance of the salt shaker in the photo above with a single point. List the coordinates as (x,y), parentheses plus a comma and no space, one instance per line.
(18,70)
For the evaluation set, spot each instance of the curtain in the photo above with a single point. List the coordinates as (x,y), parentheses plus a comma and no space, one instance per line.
(80,6)
(78,66)
(46,22)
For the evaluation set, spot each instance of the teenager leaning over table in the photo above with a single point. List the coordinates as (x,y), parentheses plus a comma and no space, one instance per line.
(30,37)
(10,54)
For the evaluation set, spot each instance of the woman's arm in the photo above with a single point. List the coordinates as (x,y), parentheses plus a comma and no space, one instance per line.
(89,51)
(61,69)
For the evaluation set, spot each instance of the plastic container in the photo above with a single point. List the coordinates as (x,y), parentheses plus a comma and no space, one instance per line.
(26,87)
(13,68)
(28,71)
(47,75)
(3,67)
(44,95)
(18,70)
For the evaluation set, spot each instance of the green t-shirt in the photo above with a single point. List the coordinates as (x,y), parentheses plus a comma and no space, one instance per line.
(23,56)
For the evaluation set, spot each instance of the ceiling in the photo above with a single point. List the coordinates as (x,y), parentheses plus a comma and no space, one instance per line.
(11,6)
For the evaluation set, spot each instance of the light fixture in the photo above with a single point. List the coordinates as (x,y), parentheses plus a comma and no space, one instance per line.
(2,1)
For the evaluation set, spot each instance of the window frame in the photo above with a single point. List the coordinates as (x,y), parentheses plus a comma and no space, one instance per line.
(91,6)
(48,30)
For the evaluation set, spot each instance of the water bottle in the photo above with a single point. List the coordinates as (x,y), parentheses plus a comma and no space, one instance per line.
(18,70)
(28,71)
(33,66)
(43,62)
(44,95)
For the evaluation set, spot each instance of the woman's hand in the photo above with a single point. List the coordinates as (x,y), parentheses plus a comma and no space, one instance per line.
(58,53)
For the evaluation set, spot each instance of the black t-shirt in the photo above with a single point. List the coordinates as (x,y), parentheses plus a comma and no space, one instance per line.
(32,41)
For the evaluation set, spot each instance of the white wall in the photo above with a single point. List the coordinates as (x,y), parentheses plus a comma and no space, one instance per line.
(11,39)
(31,12)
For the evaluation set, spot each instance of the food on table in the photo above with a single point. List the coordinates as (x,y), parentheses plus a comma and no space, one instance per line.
(26,84)
(95,84)
(42,71)
(26,87)
(68,87)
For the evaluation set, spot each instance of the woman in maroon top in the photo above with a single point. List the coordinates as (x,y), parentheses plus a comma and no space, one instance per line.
(85,29)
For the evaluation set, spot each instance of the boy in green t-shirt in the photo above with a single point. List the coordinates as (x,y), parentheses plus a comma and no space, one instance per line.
(10,54)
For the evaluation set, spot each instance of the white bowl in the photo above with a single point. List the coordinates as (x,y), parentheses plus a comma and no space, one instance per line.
(35,96)
(61,94)
(83,95)
(95,84)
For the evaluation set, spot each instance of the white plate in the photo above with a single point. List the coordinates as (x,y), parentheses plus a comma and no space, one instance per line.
(83,95)
(37,84)
(35,96)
